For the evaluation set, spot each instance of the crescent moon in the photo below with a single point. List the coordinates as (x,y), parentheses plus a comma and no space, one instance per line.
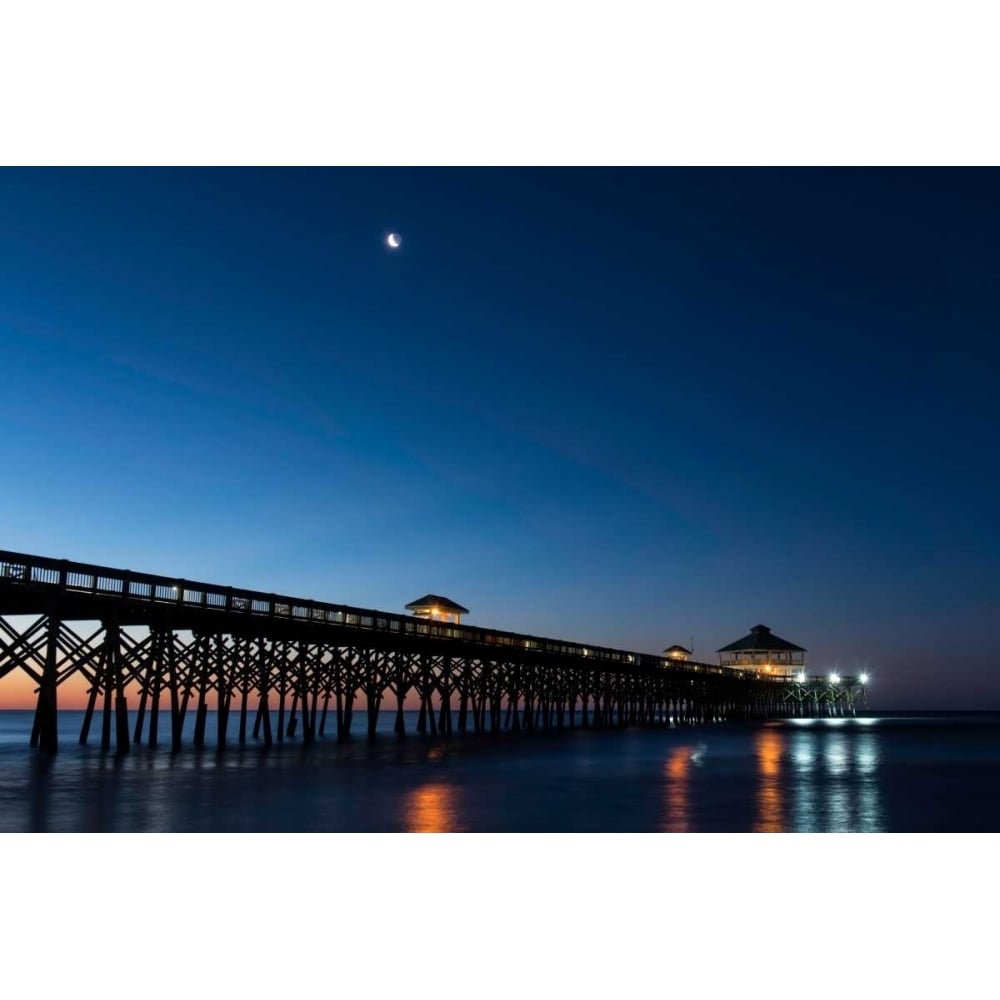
(394,240)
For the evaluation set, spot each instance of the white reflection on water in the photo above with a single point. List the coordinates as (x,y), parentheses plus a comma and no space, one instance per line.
(835,784)
(870,816)
(836,757)
(835,753)
(866,754)
(803,752)
(869,810)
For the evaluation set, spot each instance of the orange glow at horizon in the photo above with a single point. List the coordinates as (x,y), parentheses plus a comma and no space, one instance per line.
(19,691)
(769,806)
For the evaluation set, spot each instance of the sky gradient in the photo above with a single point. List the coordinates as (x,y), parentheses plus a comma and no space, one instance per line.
(630,407)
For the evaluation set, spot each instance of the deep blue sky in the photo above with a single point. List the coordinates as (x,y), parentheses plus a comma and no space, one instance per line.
(631,407)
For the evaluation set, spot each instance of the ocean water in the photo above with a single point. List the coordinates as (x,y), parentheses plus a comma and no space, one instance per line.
(936,773)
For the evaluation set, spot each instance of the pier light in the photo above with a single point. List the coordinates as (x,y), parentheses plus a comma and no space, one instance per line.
(436,608)
(801,677)
(676,652)
(834,678)
(763,652)
(864,678)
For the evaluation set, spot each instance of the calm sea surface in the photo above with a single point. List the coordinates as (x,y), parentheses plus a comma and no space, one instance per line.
(897,773)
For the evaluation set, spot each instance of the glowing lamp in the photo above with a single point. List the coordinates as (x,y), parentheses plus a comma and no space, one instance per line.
(834,678)
(801,678)
(864,678)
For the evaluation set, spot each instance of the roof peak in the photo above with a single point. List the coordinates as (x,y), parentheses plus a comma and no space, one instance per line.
(762,639)
(436,601)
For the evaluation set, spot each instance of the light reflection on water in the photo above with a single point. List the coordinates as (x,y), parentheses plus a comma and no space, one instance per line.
(676,811)
(838,796)
(808,776)
(769,746)
(870,816)
(866,754)
(835,786)
(430,809)
(804,755)
(835,753)
(857,775)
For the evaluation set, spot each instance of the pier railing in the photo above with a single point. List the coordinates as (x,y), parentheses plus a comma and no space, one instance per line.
(133,588)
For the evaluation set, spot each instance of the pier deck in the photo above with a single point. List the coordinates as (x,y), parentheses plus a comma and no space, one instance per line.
(174,642)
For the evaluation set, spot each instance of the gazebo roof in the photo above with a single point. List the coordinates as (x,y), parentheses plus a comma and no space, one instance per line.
(429,601)
(677,649)
(760,639)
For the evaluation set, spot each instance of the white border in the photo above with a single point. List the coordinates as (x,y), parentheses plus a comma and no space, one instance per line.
(492,915)
(518,82)
(523,81)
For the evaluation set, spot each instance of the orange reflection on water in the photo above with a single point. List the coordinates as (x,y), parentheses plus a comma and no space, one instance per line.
(769,745)
(677,769)
(430,809)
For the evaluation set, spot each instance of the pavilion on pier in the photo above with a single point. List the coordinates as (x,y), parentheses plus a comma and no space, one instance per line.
(437,608)
(765,652)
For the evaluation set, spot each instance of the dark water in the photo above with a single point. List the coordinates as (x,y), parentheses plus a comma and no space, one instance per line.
(901,773)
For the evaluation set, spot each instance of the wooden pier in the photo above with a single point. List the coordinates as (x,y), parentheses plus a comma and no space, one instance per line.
(283,668)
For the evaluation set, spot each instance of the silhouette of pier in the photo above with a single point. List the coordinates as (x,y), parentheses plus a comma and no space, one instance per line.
(281,668)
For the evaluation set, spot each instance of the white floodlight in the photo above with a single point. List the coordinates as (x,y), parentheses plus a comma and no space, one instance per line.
(834,678)
(864,678)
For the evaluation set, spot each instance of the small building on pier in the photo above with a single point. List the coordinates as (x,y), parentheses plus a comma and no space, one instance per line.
(437,608)
(765,652)
(677,653)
